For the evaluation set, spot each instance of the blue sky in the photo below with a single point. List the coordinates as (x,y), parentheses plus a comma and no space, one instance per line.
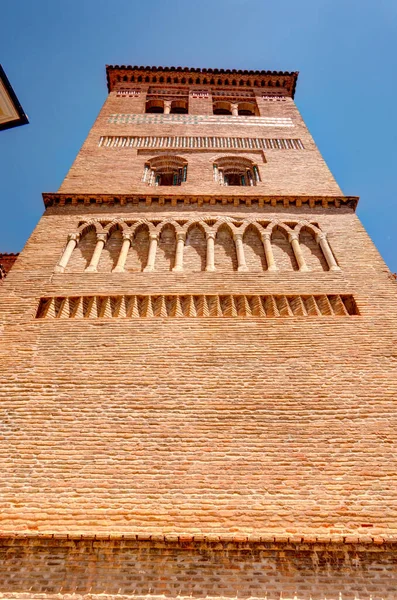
(54,53)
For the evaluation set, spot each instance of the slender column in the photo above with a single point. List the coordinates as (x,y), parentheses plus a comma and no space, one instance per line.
(180,244)
(321,239)
(167,107)
(238,240)
(119,268)
(101,239)
(73,238)
(154,237)
(235,110)
(210,262)
(267,246)
(294,241)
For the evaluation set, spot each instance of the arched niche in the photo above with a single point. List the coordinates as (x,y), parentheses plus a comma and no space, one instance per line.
(165,170)
(83,252)
(179,107)
(225,250)
(247,109)
(235,171)
(312,253)
(253,249)
(139,250)
(282,250)
(222,108)
(165,256)
(111,251)
(155,106)
(195,249)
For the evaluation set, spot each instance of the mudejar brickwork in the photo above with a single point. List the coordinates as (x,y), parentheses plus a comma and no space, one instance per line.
(198,361)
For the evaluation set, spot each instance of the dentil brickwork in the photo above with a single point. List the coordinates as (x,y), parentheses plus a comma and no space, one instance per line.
(198,361)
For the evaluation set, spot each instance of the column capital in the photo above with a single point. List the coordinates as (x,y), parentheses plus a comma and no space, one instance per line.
(73,237)
(154,236)
(102,237)
(127,235)
(210,235)
(266,235)
(180,235)
(292,237)
(321,236)
(237,235)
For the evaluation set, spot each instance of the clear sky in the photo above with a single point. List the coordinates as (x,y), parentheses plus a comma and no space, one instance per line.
(54,53)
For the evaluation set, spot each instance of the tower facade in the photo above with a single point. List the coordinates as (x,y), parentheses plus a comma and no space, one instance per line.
(198,360)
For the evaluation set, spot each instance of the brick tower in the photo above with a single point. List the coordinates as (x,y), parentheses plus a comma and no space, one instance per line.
(198,361)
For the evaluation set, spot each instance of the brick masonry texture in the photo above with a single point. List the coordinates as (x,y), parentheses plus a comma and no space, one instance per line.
(101,569)
(278,432)
(7,260)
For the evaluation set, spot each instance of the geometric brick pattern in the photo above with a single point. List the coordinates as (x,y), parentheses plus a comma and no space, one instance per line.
(200,142)
(131,119)
(195,305)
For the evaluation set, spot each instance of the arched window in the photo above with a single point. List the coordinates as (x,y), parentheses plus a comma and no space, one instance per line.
(222,108)
(246,109)
(236,171)
(154,106)
(165,170)
(179,107)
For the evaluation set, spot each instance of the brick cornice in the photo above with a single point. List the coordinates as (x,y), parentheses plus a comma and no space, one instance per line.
(271,78)
(62,199)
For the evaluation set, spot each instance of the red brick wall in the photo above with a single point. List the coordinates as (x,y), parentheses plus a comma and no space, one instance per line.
(287,172)
(7,260)
(227,427)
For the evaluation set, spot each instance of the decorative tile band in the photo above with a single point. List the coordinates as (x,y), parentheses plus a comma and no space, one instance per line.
(112,141)
(156,119)
(195,305)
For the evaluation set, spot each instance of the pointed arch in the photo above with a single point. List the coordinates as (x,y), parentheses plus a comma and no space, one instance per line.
(253,249)
(139,249)
(283,253)
(81,255)
(312,253)
(93,224)
(195,248)
(117,224)
(223,221)
(225,249)
(111,250)
(165,257)
(168,222)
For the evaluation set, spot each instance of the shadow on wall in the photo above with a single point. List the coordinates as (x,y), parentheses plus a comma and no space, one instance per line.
(129,568)
(220,244)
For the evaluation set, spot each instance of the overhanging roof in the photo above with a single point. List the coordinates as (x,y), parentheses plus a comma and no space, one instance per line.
(11,111)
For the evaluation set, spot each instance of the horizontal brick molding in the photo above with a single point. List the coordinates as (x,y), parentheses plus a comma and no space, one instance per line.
(191,305)
(159,119)
(165,197)
(112,141)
